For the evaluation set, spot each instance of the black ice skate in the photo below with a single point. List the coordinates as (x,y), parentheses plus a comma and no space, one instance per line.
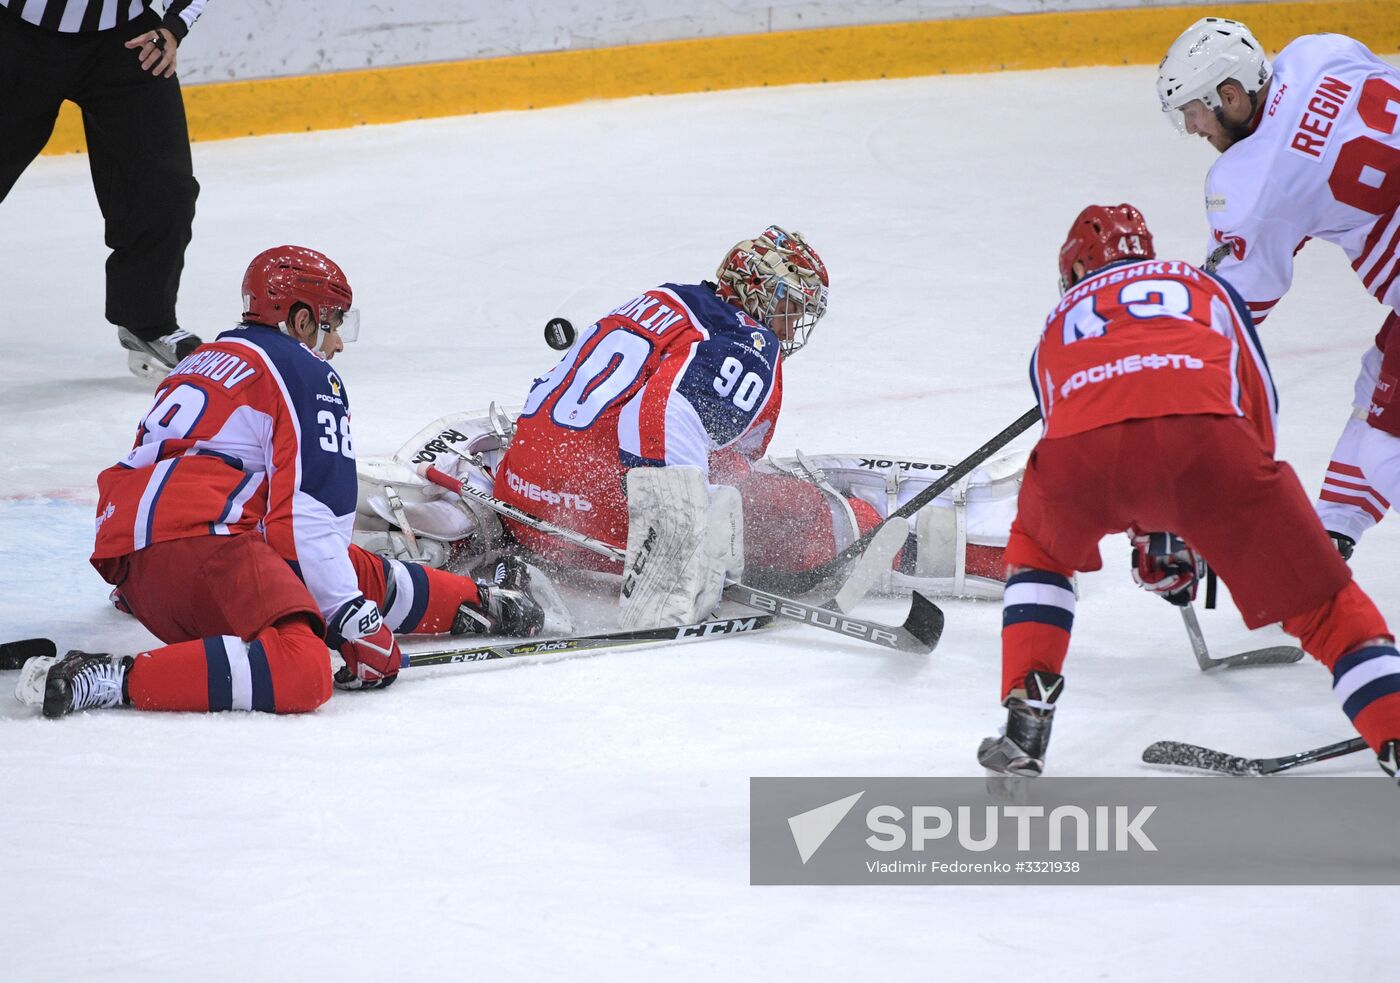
(506,605)
(1020,748)
(154,358)
(81,681)
(1389,758)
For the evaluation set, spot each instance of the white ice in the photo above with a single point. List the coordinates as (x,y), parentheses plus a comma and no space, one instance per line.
(588,819)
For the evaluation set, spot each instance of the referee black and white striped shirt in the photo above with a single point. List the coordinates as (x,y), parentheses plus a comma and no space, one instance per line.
(86,16)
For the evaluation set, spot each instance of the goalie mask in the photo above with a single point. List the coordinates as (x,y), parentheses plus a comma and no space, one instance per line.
(1211,51)
(780,281)
(283,276)
(1103,234)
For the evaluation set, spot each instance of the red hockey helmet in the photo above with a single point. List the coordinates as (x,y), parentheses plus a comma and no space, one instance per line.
(1103,234)
(283,276)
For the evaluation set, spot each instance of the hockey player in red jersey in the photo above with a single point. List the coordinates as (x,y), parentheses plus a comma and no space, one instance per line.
(1310,148)
(226,529)
(1159,420)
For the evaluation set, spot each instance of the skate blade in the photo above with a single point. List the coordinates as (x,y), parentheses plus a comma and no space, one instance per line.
(144,366)
(29,690)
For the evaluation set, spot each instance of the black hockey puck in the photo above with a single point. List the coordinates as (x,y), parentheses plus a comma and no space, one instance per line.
(559,333)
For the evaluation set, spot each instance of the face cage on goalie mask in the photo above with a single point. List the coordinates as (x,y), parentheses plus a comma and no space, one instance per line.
(806,317)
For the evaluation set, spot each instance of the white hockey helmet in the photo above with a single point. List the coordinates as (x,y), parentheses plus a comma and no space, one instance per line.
(1209,52)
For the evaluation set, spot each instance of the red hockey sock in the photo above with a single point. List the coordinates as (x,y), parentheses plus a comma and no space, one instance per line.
(1036,619)
(446,593)
(285,669)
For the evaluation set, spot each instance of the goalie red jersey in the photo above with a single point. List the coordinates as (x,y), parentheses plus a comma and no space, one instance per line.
(672,377)
(1144,339)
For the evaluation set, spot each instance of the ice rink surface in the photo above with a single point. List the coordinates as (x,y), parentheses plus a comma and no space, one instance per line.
(587,819)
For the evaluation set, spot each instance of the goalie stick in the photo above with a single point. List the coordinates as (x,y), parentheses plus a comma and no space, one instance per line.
(918,634)
(584,643)
(1179,755)
(1277,655)
(834,569)
(13,655)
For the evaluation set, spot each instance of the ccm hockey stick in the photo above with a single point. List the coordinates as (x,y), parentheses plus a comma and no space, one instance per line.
(13,655)
(918,634)
(834,569)
(1277,655)
(584,643)
(1181,755)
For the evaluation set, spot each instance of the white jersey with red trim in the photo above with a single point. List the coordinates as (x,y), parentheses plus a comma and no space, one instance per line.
(675,376)
(250,432)
(1323,162)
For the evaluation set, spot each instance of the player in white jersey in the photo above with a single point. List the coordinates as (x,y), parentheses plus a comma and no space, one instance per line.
(1310,148)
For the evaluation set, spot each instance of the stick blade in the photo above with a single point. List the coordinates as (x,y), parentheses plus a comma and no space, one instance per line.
(13,655)
(1279,655)
(1179,755)
(924,626)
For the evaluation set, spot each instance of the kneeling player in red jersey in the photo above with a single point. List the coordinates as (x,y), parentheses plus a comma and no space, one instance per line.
(1158,414)
(226,529)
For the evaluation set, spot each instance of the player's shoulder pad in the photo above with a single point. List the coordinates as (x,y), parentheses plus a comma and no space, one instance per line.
(303,374)
(708,312)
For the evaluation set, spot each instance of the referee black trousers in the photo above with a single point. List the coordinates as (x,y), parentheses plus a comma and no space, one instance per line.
(138,151)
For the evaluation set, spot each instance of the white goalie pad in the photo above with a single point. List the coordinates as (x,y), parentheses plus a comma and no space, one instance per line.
(399,514)
(975,511)
(683,538)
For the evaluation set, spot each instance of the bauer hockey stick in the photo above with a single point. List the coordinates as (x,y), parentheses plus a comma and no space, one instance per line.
(1277,655)
(918,634)
(585,643)
(1178,755)
(834,569)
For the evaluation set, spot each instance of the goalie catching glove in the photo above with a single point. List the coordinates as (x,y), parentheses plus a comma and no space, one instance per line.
(1166,565)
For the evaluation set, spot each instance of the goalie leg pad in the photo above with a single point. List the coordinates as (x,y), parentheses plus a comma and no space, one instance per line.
(683,539)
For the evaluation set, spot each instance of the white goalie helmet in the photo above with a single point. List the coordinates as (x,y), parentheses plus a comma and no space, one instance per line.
(1209,52)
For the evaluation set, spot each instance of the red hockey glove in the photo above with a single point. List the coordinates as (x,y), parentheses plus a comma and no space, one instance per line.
(372,657)
(1166,565)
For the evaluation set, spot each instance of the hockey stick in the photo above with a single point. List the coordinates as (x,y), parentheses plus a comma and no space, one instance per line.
(918,634)
(584,643)
(1181,755)
(1277,655)
(13,655)
(806,581)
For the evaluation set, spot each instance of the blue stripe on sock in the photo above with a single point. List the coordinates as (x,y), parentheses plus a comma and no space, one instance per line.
(1353,659)
(263,699)
(419,580)
(1368,694)
(1044,614)
(1040,577)
(220,675)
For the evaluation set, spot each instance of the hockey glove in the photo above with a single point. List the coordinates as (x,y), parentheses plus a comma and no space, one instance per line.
(372,657)
(1166,565)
